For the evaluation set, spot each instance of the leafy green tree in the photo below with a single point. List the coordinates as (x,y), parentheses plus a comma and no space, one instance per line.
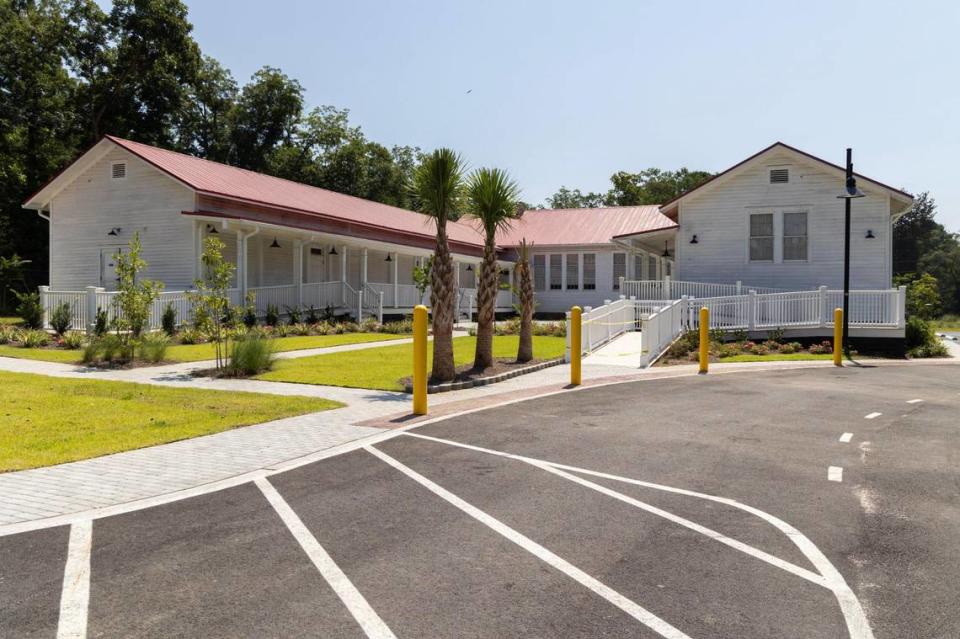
(212,298)
(422,274)
(12,278)
(491,198)
(266,114)
(139,71)
(438,187)
(135,297)
(923,245)
(652,186)
(573,199)
(205,125)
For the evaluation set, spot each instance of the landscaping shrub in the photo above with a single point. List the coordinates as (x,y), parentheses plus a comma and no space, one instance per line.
(281,330)
(294,315)
(922,340)
(73,340)
(788,349)
(192,336)
(251,355)
(272,316)
(686,343)
(775,335)
(313,315)
(772,345)
(369,325)
(249,316)
(823,348)
(169,319)
(760,349)
(728,350)
(29,309)
(201,319)
(101,322)
(398,327)
(323,328)
(152,347)
(108,349)
(31,338)
(60,318)
(7,334)
(299,329)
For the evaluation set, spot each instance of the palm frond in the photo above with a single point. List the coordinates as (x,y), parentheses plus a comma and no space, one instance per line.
(492,198)
(438,185)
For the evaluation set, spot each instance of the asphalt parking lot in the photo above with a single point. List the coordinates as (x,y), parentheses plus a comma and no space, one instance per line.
(810,503)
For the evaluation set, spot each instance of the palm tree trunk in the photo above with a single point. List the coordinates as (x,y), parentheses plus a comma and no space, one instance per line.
(442,300)
(486,303)
(525,350)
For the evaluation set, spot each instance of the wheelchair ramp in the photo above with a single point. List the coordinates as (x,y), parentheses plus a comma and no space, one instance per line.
(622,351)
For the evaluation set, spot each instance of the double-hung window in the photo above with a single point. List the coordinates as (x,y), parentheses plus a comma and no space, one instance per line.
(795,236)
(651,268)
(589,271)
(556,272)
(539,272)
(573,271)
(761,237)
(638,267)
(619,269)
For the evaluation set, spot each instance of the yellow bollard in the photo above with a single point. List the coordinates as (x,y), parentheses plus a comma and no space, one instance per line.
(420,360)
(704,339)
(575,345)
(838,337)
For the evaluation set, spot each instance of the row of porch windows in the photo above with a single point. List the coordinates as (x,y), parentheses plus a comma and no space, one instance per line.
(548,270)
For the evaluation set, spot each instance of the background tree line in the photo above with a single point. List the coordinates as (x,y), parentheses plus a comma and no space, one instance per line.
(70,72)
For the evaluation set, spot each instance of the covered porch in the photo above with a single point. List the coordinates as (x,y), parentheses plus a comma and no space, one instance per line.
(291,268)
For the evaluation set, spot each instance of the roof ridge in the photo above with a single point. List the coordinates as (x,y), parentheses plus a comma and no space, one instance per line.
(123,142)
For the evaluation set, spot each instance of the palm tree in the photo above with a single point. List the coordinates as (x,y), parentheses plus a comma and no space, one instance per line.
(525,286)
(492,201)
(438,187)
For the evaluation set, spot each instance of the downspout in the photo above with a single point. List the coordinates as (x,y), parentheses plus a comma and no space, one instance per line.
(42,215)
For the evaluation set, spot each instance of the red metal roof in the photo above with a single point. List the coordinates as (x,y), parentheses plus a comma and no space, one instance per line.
(248,186)
(558,227)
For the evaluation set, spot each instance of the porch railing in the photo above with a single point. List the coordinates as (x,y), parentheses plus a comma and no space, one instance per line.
(660,329)
(670,289)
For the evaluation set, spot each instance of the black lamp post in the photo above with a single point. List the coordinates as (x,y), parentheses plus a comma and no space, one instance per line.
(850,192)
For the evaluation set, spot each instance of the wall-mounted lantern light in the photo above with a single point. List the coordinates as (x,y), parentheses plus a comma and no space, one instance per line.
(693,240)
(115,231)
(332,251)
(469,267)
(666,249)
(275,243)
(389,259)
(212,230)
(870,234)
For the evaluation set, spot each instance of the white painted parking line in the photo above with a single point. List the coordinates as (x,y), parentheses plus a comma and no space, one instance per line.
(366,616)
(835,473)
(633,609)
(914,401)
(75,595)
(857,624)
(872,415)
(846,437)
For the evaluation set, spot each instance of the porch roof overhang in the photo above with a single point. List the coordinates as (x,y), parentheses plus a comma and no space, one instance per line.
(644,240)
(384,238)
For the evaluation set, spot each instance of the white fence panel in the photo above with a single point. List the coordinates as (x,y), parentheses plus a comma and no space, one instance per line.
(786,310)
(278,296)
(320,295)
(660,329)
(50,300)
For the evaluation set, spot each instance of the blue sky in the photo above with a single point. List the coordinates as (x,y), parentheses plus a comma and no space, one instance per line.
(568,92)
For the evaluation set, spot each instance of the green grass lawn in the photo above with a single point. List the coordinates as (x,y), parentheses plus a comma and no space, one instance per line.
(10,321)
(384,367)
(46,420)
(200,352)
(947,323)
(777,357)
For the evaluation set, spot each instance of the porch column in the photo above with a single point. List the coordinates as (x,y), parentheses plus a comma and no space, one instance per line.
(396,280)
(298,270)
(343,274)
(456,271)
(197,249)
(241,264)
(363,269)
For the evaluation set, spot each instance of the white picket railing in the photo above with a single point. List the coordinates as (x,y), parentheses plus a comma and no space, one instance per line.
(50,300)
(278,296)
(669,289)
(660,329)
(372,302)
(321,295)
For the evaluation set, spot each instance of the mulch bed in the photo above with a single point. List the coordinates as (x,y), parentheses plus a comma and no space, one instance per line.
(468,377)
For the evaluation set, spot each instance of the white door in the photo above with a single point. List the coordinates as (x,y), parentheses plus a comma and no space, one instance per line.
(108,267)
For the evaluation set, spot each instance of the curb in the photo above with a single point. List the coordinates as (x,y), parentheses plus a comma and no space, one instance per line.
(485,381)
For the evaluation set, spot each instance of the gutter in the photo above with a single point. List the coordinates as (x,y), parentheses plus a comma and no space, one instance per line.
(42,215)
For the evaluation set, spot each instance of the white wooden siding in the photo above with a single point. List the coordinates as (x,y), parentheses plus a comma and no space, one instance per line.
(145,201)
(720,219)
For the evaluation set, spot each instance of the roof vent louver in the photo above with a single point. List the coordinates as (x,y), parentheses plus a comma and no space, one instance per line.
(118,170)
(779,176)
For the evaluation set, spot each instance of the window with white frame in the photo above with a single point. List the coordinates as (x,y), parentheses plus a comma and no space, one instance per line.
(573,271)
(761,237)
(619,269)
(539,272)
(556,272)
(794,236)
(589,271)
